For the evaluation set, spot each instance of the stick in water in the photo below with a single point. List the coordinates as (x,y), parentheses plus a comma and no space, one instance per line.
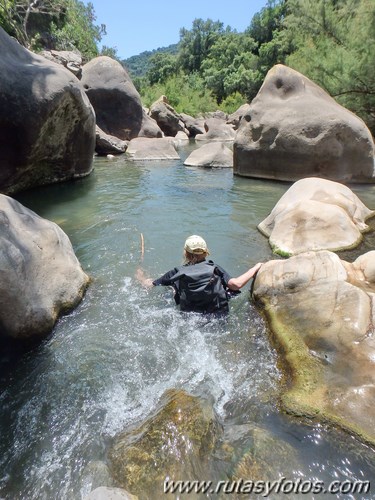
(142,247)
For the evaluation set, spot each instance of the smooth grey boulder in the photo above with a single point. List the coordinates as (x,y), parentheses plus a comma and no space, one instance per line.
(166,117)
(211,155)
(142,148)
(316,214)
(294,129)
(47,125)
(116,101)
(41,277)
(108,144)
(216,130)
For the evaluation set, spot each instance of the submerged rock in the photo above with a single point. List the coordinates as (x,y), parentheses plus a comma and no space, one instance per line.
(143,148)
(211,155)
(175,443)
(316,214)
(266,457)
(47,125)
(41,277)
(322,313)
(294,129)
(105,493)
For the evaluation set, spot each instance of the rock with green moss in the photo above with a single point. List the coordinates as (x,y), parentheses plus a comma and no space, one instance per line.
(322,313)
(316,214)
(175,443)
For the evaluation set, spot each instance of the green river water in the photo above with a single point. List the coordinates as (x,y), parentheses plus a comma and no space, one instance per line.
(106,364)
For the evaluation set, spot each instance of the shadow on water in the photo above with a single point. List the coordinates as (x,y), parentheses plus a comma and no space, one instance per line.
(107,364)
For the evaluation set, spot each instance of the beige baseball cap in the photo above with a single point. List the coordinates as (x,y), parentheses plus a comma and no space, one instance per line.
(195,244)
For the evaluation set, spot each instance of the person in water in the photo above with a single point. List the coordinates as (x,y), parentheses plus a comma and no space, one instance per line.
(200,285)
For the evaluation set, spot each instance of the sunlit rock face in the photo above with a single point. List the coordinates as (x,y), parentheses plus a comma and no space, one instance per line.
(316,214)
(47,125)
(216,129)
(322,312)
(166,117)
(176,442)
(144,148)
(211,155)
(294,129)
(116,101)
(41,277)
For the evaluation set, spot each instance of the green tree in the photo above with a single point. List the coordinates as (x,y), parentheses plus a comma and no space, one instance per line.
(162,66)
(22,18)
(231,66)
(334,45)
(196,43)
(79,30)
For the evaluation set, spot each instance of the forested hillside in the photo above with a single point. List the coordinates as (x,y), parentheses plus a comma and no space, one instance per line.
(140,64)
(330,41)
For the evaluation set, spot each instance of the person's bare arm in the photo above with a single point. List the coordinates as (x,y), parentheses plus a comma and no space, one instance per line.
(141,277)
(240,281)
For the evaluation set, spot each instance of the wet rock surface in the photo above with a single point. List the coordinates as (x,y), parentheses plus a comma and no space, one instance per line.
(321,311)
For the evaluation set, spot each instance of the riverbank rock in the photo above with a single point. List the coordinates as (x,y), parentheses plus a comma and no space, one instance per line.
(316,214)
(322,313)
(166,117)
(41,277)
(175,444)
(294,129)
(71,60)
(216,130)
(47,125)
(211,155)
(143,148)
(235,118)
(108,144)
(116,101)
(193,125)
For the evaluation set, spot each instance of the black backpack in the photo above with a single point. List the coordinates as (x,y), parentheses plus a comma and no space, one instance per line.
(200,288)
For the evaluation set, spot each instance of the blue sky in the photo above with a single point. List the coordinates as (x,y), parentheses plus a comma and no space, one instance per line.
(136,26)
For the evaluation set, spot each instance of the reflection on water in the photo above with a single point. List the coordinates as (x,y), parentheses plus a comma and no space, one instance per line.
(108,363)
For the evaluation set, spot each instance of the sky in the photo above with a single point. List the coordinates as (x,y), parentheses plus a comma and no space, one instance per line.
(136,26)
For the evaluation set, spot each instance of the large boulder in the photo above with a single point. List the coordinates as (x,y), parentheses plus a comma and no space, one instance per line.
(143,148)
(41,277)
(294,129)
(108,144)
(166,117)
(322,313)
(213,154)
(47,125)
(316,214)
(216,130)
(116,101)
(176,442)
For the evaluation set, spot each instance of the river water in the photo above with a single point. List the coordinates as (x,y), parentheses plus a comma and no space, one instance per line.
(107,364)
